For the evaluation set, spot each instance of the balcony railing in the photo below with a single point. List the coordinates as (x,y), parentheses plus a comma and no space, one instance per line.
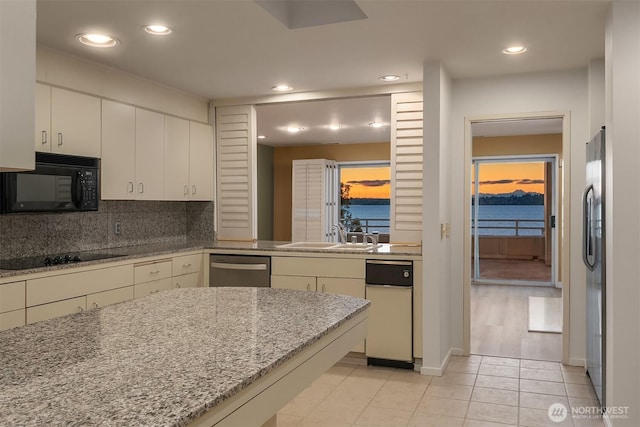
(509,227)
(369,225)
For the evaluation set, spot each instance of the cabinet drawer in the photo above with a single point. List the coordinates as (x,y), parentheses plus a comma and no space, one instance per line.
(12,319)
(12,296)
(187,264)
(56,309)
(64,286)
(152,271)
(113,296)
(306,266)
(148,288)
(187,281)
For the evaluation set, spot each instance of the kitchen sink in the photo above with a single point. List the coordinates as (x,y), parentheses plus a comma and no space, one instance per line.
(308,245)
(356,246)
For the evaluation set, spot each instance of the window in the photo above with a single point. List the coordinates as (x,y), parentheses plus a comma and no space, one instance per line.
(365,191)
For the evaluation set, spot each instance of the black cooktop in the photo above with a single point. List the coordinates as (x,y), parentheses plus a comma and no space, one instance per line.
(51,260)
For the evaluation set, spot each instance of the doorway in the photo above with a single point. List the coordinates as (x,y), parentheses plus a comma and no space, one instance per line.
(497,308)
(513,220)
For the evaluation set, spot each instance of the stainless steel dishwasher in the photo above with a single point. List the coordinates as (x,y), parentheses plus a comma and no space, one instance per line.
(389,287)
(239,270)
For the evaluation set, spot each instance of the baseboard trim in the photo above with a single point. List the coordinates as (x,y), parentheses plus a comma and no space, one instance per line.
(578,362)
(437,372)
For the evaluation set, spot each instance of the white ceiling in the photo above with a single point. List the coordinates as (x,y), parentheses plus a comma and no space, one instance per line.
(235,48)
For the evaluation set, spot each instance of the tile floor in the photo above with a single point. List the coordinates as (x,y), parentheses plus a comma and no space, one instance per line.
(475,391)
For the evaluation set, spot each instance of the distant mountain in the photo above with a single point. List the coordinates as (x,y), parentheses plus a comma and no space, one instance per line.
(517,197)
(370,201)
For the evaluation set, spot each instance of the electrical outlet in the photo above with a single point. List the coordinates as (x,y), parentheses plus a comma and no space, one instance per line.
(116,228)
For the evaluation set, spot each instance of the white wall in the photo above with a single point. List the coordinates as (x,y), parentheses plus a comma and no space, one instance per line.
(561,91)
(67,71)
(622,71)
(436,294)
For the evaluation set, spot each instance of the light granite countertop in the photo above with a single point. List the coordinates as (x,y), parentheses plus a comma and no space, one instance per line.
(175,248)
(162,360)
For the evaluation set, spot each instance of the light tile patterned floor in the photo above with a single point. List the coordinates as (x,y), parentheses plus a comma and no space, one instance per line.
(475,391)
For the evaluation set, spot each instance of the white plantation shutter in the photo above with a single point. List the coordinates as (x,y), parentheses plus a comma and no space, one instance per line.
(406,167)
(236,172)
(314,210)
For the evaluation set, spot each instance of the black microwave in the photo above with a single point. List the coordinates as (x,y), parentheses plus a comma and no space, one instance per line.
(59,183)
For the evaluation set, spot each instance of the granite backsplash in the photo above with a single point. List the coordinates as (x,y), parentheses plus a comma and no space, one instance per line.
(141,222)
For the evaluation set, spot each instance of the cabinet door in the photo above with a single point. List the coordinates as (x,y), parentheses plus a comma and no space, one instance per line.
(12,296)
(11,319)
(118,166)
(43,118)
(340,286)
(302,283)
(148,288)
(75,123)
(200,162)
(113,296)
(149,155)
(186,281)
(417,308)
(176,159)
(56,309)
(186,264)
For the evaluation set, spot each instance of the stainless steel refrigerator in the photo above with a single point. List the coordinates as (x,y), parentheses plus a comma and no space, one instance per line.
(593,254)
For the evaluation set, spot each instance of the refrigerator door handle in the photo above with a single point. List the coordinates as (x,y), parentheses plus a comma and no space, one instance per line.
(587,239)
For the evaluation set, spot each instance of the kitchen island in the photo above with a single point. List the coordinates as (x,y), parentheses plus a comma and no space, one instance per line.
(203,356)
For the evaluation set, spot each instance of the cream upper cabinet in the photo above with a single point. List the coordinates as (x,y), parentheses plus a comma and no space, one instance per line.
(118,166)
(75,123)
(149,155)
(200,161)
(43,118)
(176,159)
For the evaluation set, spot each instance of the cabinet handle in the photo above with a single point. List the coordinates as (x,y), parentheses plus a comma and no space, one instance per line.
(141,188)
(80,309)
(154,272)
(193,189)
(308,287)
(186,265)
(130,187)
(95,305)
(323,287)
(178,285)
(59,139)
(186,190)
(155,292)
(44,137)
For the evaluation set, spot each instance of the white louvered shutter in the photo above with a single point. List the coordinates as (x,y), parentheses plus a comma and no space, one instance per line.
(314,209)
(236,147)
(406,167)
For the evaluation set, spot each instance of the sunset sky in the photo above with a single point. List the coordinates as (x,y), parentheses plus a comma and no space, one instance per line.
(370,182)
(498,178)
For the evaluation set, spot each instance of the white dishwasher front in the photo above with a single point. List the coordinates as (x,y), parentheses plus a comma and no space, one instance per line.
(389,287)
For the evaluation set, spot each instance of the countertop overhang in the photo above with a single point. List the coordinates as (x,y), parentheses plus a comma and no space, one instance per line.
(167,359)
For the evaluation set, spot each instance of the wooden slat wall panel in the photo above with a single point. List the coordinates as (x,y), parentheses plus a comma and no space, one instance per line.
(406,166)
(236,151)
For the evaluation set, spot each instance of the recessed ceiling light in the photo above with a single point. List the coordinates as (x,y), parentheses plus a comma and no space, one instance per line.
(293,129)
(97,40)
(261,137)
(282,87)
(389,78)
(375,124)
(335,126)
(158,30)
(514,50)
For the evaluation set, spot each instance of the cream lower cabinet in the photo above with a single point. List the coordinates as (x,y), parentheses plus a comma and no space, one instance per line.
(186,271)
(152,277)
(12,304)
(69,292)
(349,278)
(417,309)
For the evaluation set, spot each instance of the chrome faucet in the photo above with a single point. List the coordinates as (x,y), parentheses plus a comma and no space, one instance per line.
(342,233)
(371,236)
